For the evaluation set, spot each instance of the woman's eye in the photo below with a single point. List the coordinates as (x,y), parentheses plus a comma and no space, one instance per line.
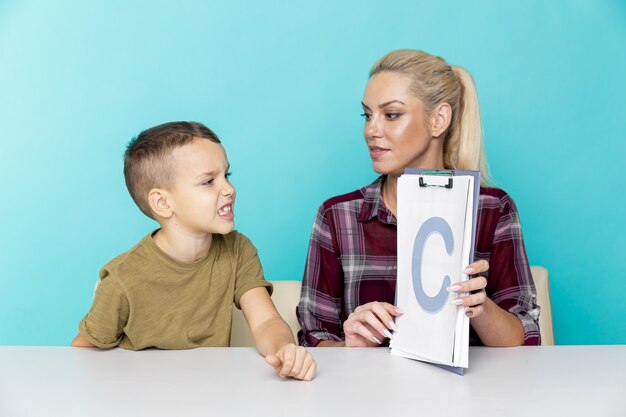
(392,116)
(366,116)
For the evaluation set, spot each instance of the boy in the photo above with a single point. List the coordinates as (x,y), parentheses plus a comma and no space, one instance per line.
(175,289)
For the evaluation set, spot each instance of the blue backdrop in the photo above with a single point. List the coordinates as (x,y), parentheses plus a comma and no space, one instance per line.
(281,83)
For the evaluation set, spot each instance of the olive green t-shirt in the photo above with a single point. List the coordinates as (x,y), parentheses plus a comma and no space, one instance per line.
(148,299)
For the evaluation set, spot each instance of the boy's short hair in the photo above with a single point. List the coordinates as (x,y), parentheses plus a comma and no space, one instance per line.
(148,158)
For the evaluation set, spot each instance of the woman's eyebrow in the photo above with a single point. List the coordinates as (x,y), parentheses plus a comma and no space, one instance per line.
(385,104)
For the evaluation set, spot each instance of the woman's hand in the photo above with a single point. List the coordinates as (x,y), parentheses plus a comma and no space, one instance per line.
(370,324)
(294,362)
(475,286)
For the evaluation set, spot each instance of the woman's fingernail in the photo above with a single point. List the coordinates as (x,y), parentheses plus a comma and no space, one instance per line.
(376,340)
(457,302)
(454,288)
(392,325)
(399,310)
(469,270)
(387,334)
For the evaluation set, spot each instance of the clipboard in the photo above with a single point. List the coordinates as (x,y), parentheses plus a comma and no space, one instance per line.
(437,220)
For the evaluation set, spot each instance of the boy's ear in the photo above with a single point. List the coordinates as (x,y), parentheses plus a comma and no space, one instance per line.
(440,119)
(159,203)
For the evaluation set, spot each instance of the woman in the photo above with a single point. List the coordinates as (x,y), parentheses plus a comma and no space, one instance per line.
(419,113)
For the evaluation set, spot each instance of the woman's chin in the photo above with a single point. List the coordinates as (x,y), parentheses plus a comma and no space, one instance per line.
(384,169)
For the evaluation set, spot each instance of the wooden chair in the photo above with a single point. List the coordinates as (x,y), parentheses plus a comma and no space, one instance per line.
(286,296)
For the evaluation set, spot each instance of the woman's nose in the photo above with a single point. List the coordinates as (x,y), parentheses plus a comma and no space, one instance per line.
(372,128)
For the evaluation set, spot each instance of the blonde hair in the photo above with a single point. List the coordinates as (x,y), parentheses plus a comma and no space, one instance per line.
(435,82)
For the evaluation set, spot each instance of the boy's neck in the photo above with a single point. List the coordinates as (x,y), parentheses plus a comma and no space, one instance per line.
(184,247)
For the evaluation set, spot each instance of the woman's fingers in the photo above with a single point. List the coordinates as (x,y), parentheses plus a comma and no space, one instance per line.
(371,322)
(475,288)
(472,284)
(375,322)
(357,325)
(477,267)
(473,312)
(471,300)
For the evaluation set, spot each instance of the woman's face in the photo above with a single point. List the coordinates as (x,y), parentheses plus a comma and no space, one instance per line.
(396,129)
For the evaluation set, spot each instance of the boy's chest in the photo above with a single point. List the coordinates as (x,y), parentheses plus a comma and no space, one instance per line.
(184,310)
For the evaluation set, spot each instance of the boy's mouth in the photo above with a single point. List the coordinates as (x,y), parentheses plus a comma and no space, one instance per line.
(226,211)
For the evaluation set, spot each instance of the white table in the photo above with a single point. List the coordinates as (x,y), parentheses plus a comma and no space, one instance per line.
(530,381)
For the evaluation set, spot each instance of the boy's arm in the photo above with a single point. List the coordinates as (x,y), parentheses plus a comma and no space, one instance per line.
(80,341)
(103,326)
(273,337)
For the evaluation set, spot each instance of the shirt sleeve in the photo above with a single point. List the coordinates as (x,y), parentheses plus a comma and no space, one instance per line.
(104,324)
(249,273)
(322,287)
(510,284)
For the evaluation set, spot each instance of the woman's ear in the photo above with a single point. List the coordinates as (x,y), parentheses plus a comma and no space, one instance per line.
(440,119)
(159,203)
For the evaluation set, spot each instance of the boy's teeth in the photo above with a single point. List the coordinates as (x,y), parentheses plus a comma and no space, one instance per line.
(224,210)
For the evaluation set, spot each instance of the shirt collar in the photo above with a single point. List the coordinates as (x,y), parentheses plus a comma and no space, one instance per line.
(374,203)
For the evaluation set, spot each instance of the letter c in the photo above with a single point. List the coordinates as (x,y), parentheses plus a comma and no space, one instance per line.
(430,227)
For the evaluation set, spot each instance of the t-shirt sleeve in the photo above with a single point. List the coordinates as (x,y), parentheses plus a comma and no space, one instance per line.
(510,283)
(248,272)
(104,324)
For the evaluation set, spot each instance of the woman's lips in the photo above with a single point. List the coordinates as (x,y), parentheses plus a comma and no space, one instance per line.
(377,152)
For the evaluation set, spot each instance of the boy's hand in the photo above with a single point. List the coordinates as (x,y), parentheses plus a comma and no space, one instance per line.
(294,362)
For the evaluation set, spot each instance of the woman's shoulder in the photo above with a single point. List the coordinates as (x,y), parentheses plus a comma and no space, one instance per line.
(368,194)
(342,199)
(493,198)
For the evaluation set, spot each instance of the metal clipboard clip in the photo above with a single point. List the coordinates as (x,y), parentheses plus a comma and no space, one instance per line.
(449,173)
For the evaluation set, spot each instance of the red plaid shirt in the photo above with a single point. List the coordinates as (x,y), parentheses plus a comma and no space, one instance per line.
(352,261)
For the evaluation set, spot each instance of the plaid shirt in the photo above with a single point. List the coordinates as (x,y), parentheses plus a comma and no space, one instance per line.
(352,261)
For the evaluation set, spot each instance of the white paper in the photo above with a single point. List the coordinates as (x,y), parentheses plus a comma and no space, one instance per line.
(432,328)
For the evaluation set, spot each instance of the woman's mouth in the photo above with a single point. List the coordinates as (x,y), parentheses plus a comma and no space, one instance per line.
(376,152)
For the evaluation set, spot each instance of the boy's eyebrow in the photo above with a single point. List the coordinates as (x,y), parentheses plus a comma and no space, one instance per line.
(211,173)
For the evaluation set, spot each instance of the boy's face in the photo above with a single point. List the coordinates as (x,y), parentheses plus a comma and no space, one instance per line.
(202,198)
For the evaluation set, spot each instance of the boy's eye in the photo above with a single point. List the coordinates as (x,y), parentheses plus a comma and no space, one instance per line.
(228,174)
(366,116)
(208,182)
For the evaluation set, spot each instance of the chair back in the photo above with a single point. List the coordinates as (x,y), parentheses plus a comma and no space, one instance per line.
(540,276)
(285,296)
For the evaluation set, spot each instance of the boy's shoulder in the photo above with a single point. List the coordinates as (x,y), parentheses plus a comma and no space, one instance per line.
(128,261)
(234,241)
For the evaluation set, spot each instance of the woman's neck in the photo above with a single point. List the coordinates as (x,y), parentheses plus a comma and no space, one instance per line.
(390,186)
(390,193)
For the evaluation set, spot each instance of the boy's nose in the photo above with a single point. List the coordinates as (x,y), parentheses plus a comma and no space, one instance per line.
(228,190)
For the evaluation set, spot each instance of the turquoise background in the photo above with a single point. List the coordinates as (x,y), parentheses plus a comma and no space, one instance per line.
(281,84)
